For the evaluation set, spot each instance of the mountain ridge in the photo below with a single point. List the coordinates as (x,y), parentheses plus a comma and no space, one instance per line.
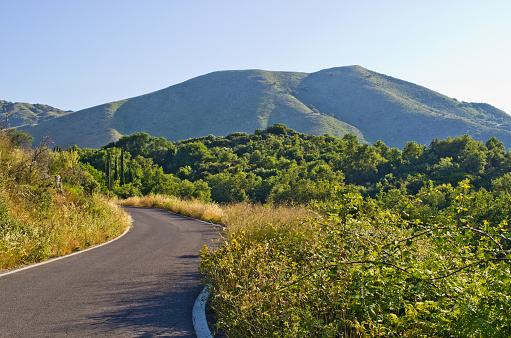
(20,114)
(336,101)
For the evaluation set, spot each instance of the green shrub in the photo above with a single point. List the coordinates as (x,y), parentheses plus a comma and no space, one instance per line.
(367,268)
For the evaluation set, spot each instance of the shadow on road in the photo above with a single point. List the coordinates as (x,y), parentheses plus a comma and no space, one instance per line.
(148,310)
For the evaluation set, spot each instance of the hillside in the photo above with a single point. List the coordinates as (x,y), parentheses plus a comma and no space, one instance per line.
(336,101)
(88,128)
(41,217)
(396,111)
(29,114)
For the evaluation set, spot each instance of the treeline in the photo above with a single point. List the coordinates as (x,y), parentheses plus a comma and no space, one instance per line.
(280,165)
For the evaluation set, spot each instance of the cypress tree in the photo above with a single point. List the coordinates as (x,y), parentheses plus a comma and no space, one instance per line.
(116,172)
(109,169)
(122,167)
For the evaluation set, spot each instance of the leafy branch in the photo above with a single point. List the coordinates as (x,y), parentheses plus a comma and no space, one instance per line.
(335,265)
(468,266)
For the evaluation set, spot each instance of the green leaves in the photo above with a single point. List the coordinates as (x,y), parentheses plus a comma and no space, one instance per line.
(369,267)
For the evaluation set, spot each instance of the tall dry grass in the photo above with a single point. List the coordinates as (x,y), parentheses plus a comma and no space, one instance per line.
(209,212)
(235,217)
(38,220)
(264,247)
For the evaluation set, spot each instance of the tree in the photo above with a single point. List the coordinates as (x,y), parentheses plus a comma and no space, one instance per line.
(136,144)
(496,152)
(502,184)
(116,171)
(20,138)
(277,129)
(122,168)
(412,151)
(191,154)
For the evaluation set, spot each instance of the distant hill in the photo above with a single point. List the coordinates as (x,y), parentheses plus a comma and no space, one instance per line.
(335,101)
(21,114)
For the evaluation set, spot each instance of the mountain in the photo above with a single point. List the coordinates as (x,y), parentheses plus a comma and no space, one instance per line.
(336,101)
(21,114)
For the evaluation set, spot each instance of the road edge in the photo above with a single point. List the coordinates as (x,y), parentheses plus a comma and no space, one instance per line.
(15,270)
(200,323)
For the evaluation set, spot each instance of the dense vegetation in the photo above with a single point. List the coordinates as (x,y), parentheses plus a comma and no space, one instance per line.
(42,216)
(388,242)
(432,264)
(280,165)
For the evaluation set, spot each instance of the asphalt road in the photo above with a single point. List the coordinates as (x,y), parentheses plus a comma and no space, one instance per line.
(142,285)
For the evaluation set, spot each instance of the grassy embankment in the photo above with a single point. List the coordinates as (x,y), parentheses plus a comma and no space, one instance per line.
(38,220)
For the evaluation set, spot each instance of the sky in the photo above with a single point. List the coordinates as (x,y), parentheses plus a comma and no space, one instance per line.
(75,54)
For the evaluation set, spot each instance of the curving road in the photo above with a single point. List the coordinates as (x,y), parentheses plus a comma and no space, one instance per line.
(142,285)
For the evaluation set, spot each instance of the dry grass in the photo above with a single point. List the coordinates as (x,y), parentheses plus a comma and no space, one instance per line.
(236,217)
(37,220)
(256,218)
(66,228)
(209,212)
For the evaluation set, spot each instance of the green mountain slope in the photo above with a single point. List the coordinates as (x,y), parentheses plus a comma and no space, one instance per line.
(334,101)
(396,111)
(28,114)
(88,128)
(224,102)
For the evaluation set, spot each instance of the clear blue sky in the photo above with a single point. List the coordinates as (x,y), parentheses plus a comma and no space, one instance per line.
(74,54)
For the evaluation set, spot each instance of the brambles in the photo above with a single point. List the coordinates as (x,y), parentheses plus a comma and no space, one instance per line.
(366,268)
